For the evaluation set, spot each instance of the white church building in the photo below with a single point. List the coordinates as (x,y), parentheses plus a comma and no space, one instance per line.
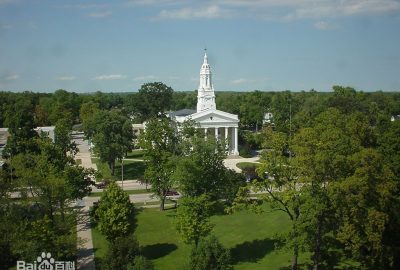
(222,125)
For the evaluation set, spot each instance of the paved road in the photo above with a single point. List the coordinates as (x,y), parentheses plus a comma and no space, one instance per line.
(84,151)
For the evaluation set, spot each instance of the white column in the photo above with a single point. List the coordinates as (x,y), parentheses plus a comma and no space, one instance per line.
(226,140)
(205,133)
(216,133)
(236,152)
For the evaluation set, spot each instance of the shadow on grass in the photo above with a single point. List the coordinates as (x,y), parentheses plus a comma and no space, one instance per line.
(159,250)
(252,251)
(132,170)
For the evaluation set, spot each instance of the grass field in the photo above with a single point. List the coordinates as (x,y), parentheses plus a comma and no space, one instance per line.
(244,165)
(250,237)
(136,154)
(132,169)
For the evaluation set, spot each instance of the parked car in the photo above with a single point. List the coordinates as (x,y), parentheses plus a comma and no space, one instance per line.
(101,185)
(172,194)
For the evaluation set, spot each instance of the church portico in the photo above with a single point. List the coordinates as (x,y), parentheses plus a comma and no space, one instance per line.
(228,134)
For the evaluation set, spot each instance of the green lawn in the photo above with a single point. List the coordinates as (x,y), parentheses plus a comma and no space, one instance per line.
(244,165)
(132,169)
(251,238)
(136,154)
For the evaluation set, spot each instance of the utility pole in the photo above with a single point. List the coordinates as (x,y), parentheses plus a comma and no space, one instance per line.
(122,172)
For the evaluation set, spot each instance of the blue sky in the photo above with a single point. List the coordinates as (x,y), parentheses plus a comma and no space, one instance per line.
(271,45)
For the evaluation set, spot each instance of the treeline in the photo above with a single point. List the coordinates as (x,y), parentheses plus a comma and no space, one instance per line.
(48,108)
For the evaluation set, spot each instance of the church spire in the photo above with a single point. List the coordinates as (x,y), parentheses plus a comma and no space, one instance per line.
(205,61)
(205,92)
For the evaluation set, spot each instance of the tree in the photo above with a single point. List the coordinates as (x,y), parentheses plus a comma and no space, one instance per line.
(63,138)
(280,178)
(121,253)
(192,218)
(160,141)
(53,179)
(141,263)
(202,170)
(363,202)
(113,137)
(87,114)
(20,123)
(209,254)
(152,100)
(114,213)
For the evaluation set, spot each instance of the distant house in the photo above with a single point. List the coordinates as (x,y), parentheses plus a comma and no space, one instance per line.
(267,118)
(395,118)
(4,134)
(49,131)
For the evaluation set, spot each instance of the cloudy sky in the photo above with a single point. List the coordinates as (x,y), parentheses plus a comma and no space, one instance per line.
(89,45)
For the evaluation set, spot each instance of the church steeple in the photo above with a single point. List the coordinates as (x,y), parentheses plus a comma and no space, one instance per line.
(205,92)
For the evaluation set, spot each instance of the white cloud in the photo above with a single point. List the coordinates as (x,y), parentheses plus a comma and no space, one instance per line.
(110,77)
(102,14)
(66,78)
(280,10)
(209,12)
(239,81)
(323,25)
(153,2)
(11,77)
(84,6)
(144,78)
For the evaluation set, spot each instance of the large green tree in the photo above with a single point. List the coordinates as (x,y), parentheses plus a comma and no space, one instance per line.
(192,218)
(114,213)
(202,171)
(112,137)
(152,100)
(161,142)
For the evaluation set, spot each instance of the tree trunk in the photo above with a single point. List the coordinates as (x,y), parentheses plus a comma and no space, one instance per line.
(111,165)
(317,249)
(294,257)
(162,203)
(62,211)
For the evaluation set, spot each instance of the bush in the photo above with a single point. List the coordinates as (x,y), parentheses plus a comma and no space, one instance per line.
(141,263)
(245,151)
(121,252)
(209,254)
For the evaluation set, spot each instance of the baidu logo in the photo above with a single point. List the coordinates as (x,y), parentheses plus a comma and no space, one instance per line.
(46,262)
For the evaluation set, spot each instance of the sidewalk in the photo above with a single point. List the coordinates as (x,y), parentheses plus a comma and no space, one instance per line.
(85,259)
(230,163)
(85,250)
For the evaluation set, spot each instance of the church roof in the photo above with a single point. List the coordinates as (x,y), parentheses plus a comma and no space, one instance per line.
(207,113)
(183,112)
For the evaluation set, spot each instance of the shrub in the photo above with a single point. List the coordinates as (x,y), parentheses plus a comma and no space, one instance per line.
(141,263)
(209,254)
(121,252)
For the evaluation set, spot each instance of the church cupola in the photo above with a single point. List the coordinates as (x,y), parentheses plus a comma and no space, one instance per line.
(205,92)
